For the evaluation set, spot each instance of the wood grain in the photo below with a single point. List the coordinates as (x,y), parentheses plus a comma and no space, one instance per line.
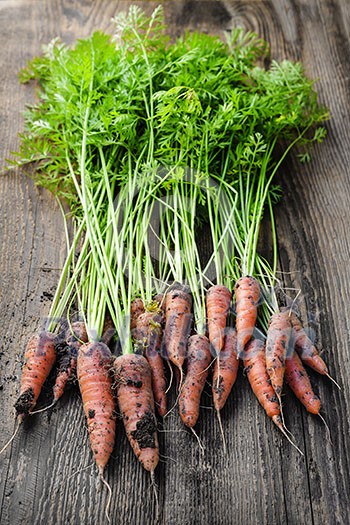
(261,479)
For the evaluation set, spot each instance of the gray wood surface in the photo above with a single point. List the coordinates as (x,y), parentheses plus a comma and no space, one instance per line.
(261,479)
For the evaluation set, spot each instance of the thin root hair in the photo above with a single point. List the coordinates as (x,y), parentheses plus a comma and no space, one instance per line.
(329,437)
(201,446)
(109,494)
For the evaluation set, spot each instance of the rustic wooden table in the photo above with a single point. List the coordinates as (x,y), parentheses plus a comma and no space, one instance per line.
(261,479)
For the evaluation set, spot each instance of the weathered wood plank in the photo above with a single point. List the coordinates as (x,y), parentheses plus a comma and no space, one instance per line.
(261,479)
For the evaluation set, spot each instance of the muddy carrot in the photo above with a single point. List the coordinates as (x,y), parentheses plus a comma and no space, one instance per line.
(225,370)
(277,345)
(255,370)
(137,308)
(218,300)
(247,290)
(305,347)
(299,382)
(40,356)
(133,383)
(148,334)
(198,361)
(67,360)
(95,383)
(178,320)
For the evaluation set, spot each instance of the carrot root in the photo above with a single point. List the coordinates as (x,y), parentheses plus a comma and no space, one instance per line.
(101,472)
(247,290)
(15,432)
(136,404)
(218,301)
(300,384)
(40,356)
(198,359)
(277,347)
(225,370)
(148,335)
(178,320)
(333,380)
(278,422)
(218,413)
(95,383)
(329,437)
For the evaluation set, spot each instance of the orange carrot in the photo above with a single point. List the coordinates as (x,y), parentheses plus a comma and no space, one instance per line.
(137,308)
(305,347)
(178,320)
(218,300)
(108,330)
(299,383)
(40,356)
(149,339)
(255,369)
(225,370)
(67,361)
(277,345)
(247,291)
(160,299)
(95,383)
(136,404)
(198,360)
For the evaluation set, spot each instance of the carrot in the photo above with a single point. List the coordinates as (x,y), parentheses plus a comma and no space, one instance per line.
(178,320)
(108,330)
(95,383)
(247,291)
(255,370)
(218,300)
(305,347)
(277,345)
(299,383)
(198,360)
(137,308)
(135,398)
(149,338)
(67,361)
(225,370)
(160,299)
(40,356)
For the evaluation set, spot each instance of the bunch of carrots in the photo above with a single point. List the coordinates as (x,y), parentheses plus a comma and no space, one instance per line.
(147,143)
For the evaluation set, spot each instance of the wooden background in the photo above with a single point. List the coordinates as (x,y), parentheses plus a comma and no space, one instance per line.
(261,480)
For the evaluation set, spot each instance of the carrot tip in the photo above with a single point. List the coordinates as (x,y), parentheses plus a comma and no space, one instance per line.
(334,381)
(155,492)
(278,422)
(221,431)
(198,439)
(171,376)
(329,438)
(101,472)
(19,421)
(43,409)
